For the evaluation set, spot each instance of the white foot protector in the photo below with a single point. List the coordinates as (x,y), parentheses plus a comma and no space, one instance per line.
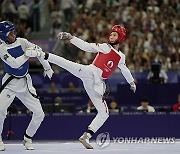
(84,139)
(2,147)
(28,143)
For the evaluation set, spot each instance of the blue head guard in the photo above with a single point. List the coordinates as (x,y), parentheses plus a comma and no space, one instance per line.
(5,28)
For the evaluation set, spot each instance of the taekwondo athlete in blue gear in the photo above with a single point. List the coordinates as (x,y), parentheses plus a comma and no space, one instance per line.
(17,81)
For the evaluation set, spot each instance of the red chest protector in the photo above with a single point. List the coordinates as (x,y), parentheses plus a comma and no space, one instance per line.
(107,62)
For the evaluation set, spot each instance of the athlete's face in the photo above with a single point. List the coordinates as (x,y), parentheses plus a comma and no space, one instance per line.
(113,37)
(12,36)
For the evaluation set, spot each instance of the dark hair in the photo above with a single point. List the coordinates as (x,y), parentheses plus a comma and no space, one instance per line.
(144,99)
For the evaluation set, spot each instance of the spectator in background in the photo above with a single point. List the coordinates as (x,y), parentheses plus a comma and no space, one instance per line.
(57,101)
(53,89)
(68,7)
(176,107)
(145,106)
(25,24)
(174,57)
(113,107)
(9,9)
(21,17)
(23,12)
(56,27)
(157,75)
(60,107)
(72,88)
(52,5)
(89,108)
(57,16)
(57,105)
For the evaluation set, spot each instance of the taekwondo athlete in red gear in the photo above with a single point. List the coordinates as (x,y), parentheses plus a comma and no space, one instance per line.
(108,58)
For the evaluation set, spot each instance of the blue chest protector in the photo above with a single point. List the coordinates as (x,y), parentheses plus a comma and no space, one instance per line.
(22,70)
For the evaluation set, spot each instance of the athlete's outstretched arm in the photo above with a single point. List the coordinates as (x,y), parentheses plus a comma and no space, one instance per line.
(83,45)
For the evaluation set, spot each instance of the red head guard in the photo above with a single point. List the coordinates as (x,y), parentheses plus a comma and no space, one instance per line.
(121,32)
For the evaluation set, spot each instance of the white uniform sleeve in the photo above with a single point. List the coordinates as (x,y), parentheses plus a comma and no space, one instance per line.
(44,63)
(125,71)
(25,43)
(11,61)
(90,47)
(163,74)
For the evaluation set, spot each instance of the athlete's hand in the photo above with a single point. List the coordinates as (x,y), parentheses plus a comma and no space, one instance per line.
(133,86)
(49,73)
(64,36)
(35,51)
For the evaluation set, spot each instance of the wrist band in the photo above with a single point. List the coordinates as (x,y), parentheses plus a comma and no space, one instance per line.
(46,56)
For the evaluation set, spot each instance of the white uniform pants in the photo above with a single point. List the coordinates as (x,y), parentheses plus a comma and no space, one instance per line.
(85,73)
(33,104)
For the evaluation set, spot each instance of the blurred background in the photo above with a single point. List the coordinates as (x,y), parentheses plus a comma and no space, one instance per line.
(152,54)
